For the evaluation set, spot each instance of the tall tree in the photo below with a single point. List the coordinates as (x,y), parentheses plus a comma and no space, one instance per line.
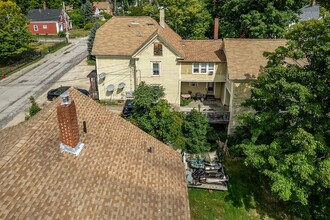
(195,127)
(87,10)
(255,18)
(289,134)
(91,38)
(14,35)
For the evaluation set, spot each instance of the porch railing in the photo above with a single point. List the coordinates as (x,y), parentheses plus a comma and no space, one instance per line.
(217,117)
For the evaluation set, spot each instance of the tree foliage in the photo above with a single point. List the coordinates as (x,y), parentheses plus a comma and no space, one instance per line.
(289,135)
(187,17)
(14,35)
(91,38)
(195,127)
(87,10)
(155,116)
(77,18)
(255,18)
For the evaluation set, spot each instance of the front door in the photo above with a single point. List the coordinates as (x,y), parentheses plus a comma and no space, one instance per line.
(210,88)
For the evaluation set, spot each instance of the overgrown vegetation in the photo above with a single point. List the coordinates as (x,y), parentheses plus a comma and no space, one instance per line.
(34,109)
(154,115)
(287,139)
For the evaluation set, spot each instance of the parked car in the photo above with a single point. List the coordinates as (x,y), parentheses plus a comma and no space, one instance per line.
(54,93)
(128,108)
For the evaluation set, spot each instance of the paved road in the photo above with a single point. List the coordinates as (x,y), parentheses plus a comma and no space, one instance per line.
(37,78)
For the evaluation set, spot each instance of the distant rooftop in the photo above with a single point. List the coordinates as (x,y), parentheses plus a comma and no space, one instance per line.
(44,14)
(310,12)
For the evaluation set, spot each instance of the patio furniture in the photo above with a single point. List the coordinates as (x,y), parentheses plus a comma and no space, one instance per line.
(185,96)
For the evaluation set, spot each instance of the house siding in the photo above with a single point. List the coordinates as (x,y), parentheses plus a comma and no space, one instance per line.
(220,70)
(241,92)
(117,70)
(51,27)
(169,76)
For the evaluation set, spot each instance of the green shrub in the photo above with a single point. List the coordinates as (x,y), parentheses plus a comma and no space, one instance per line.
(88,26)
(61,34)
(34,109)
(106,16)
(185,102)
(91,62)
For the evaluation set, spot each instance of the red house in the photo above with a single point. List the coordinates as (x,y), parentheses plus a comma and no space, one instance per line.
(48,21)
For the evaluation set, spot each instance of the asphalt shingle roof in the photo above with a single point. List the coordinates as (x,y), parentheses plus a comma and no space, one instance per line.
(114,177)
(203,51)
(44,14)
(245,56)
(123,36)
(310,12)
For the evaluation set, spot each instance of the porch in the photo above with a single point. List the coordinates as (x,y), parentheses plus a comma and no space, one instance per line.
(216,112)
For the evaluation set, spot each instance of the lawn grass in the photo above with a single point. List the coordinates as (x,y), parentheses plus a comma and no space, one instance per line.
(245,199)
(74,33)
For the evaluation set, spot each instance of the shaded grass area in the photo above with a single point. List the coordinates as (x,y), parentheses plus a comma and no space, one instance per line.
(74,33)
(246,198)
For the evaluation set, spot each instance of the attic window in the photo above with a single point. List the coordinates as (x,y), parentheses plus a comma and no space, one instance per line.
(158,49)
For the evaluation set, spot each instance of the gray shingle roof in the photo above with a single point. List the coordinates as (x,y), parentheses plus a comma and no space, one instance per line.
(44,14)
(310,12)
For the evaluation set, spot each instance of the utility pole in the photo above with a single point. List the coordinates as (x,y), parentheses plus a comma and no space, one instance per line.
(66,24)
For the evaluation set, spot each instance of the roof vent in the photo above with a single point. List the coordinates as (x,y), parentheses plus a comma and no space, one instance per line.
(150,24)
(110,88)
(135,22)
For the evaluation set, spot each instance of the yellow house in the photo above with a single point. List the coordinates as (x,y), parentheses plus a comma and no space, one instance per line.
(130,50)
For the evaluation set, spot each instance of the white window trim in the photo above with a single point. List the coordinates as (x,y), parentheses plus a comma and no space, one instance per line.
(44,26)
(35,27)
(208,71)
(152,68)
(193,84)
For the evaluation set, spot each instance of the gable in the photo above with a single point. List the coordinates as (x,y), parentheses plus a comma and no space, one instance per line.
(149,45)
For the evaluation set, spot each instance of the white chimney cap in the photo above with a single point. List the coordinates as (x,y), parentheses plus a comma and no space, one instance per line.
(65,99)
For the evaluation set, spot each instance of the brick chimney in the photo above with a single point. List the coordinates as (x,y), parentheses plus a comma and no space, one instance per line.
(68,126)
(44,5)
(216,28)
(162,17)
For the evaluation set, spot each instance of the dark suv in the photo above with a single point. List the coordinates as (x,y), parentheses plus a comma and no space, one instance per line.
(128,108)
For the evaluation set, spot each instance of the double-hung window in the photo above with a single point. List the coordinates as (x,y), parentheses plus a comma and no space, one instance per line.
(155,68)
(203,68)
(196,68)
